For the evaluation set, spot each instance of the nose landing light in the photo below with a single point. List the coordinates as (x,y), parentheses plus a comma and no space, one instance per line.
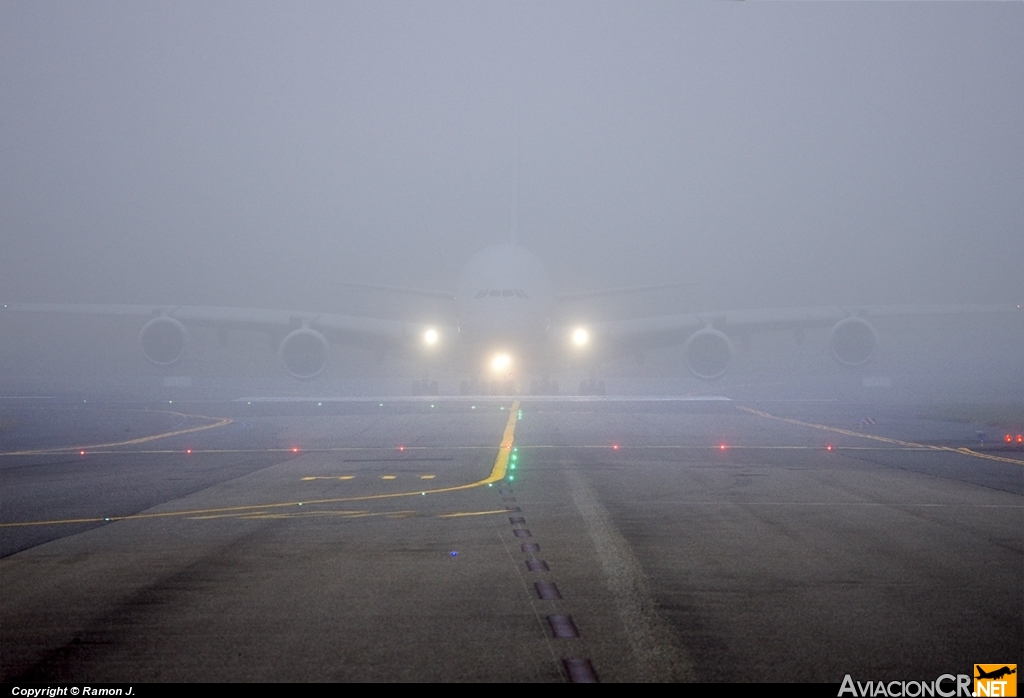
(501,362)
(580,337)
(430,337)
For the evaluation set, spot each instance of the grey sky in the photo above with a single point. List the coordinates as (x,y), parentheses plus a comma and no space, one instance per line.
(251,154)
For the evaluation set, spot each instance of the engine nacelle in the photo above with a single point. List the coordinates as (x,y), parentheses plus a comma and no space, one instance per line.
(708,353)
(853,341)
(304,353)
(163,340)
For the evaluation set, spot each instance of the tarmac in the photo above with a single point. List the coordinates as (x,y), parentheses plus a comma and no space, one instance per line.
(504,539)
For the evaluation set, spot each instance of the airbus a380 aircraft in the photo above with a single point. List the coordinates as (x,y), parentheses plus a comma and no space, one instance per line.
(507,326)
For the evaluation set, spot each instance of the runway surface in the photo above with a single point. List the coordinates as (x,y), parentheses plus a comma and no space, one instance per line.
(492,540)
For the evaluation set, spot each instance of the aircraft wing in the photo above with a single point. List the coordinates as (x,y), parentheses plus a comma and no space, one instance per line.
(305,336)
(708,336)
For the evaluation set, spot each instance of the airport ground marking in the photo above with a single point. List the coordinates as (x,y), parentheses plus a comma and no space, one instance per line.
(498,470)
(459,514)
(219,422)
(884,439)
(196,451)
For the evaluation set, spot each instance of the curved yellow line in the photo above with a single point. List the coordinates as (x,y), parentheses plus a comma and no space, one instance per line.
(884,439)
(221,422)
(497,473)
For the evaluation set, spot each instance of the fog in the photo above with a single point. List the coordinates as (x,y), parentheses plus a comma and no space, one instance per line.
(245,154)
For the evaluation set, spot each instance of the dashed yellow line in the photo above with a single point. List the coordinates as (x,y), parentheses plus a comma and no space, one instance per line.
(884,439)
(497,473)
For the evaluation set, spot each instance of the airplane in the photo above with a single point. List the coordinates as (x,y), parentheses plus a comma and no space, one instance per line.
(994,674)
(506,325)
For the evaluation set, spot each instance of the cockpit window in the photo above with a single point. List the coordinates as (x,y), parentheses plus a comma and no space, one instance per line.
(494,292)
(481,294)
(521,294)
(508,292)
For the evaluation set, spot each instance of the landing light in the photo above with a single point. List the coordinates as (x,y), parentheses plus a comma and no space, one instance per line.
(580,337)
(430,337)
(501,362)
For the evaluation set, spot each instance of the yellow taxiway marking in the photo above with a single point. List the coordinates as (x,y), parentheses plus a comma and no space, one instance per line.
(93,450)
(401,514)
(426,477)
(328,477)
(497,473)
(219,422)
(388,477)
(470,513)
(884,439)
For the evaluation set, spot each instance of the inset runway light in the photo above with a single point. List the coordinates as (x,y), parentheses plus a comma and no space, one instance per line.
(295,450)
(188,451)
(454,553)
(828,448)
(721,447)
(615,447)
(401,448)
(81,453)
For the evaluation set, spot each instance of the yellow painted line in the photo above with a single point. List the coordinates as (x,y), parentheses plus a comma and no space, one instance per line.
(884,439)
(458,514)
(496,474)
(426,477)
(388,477)
(94,450)
(220,422)
(328,477)
(311,514)
(260,515)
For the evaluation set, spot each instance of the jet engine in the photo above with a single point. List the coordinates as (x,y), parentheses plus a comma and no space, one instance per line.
(708,353)
(853,341)
(304,353)
(163,340)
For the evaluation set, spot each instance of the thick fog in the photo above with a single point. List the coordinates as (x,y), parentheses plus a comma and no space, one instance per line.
(253,154)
